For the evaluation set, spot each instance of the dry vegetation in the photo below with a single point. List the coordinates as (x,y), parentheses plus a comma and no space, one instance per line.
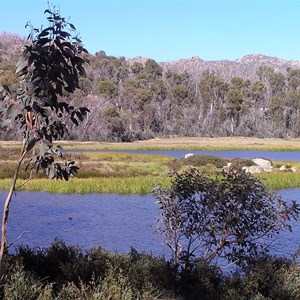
(184,143)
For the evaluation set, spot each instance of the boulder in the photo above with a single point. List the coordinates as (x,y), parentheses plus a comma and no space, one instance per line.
(253,169)
(263,163)
(294,169)
(283,168)
(188,155)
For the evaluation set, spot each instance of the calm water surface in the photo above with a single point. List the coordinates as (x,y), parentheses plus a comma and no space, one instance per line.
(115,222)
(272,155)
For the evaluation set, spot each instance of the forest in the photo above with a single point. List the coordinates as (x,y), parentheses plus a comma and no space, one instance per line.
(135,99)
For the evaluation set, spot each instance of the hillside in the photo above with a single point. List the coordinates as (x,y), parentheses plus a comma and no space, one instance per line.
(244,67)
(139,98)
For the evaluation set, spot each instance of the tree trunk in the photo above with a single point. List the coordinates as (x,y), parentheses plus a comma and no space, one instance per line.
(5,214)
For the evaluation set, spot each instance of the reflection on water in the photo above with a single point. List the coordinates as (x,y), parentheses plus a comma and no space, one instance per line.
(115,222)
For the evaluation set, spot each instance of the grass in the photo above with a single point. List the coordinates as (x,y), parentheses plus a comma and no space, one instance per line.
(281,180)
(184,143)
(118,185)
(113,172)
(119,172)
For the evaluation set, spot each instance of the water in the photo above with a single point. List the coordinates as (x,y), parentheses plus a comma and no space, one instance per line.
(115,222)
(249,154)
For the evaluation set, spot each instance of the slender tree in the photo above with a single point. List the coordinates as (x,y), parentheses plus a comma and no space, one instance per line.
(48,69)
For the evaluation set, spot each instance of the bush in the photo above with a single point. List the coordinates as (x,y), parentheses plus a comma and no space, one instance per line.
(103,275)
(203,160)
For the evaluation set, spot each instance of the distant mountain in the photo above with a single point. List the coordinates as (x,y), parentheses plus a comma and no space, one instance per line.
(244,66)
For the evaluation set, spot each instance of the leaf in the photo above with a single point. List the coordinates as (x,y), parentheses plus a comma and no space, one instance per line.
(84,110)
(43,33)
(79,116)
(64,34)
(30,145)
(48,12)
(65,175)
(43,41)
(72,26)
(81,70)
(10,110)
(48,143)
(21,64)
(74,121)
(68,52)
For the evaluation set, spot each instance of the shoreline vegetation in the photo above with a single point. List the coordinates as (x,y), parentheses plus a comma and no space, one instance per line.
(124,173)
(182,143)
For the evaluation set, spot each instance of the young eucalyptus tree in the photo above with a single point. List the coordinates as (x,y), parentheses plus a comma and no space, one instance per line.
(234,217)
(48,69)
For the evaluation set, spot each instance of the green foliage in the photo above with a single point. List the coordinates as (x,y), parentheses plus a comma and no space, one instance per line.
(71,273)
(23,285)
(107,89)
(234,217)
(203,160)
(153,69)
(49,67)
(103,275)
(180,93)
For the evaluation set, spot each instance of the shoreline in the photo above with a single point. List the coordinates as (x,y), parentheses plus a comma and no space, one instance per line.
(181,143)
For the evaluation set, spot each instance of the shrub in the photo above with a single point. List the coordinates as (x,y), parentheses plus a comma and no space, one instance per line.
(203,160)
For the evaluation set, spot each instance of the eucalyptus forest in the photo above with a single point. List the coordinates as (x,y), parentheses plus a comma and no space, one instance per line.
(139,98)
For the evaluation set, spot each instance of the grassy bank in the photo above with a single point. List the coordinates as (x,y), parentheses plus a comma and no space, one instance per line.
(184,143)
(118,185)
(115,172)
(195,143)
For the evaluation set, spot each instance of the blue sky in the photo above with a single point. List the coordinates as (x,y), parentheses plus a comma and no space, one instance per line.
(167,30)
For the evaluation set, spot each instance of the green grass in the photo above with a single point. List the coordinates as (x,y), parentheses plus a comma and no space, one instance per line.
(280,180)
(118,185)
(119,172)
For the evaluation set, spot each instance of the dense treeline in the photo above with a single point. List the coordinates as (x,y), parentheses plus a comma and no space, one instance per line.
(139,99)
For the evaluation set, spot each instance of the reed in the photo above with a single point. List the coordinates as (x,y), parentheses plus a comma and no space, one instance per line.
(118,185)
(280,180)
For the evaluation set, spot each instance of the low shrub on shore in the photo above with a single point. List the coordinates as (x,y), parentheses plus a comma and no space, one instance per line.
(68,272)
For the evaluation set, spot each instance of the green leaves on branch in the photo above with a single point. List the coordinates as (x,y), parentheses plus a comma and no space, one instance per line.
(49,69)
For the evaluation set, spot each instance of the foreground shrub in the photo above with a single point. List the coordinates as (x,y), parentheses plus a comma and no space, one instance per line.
(100,275)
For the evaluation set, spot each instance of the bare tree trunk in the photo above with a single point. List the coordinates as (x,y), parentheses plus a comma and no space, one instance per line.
(6,213)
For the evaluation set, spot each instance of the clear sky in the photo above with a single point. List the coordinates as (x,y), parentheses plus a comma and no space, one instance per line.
(167,30)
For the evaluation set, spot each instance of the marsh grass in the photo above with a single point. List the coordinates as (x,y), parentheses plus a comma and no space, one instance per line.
(181,143)
(280,180)
(119,172)
(118,185)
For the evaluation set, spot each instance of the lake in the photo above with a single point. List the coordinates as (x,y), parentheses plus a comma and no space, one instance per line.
(248,154)
(115,222)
